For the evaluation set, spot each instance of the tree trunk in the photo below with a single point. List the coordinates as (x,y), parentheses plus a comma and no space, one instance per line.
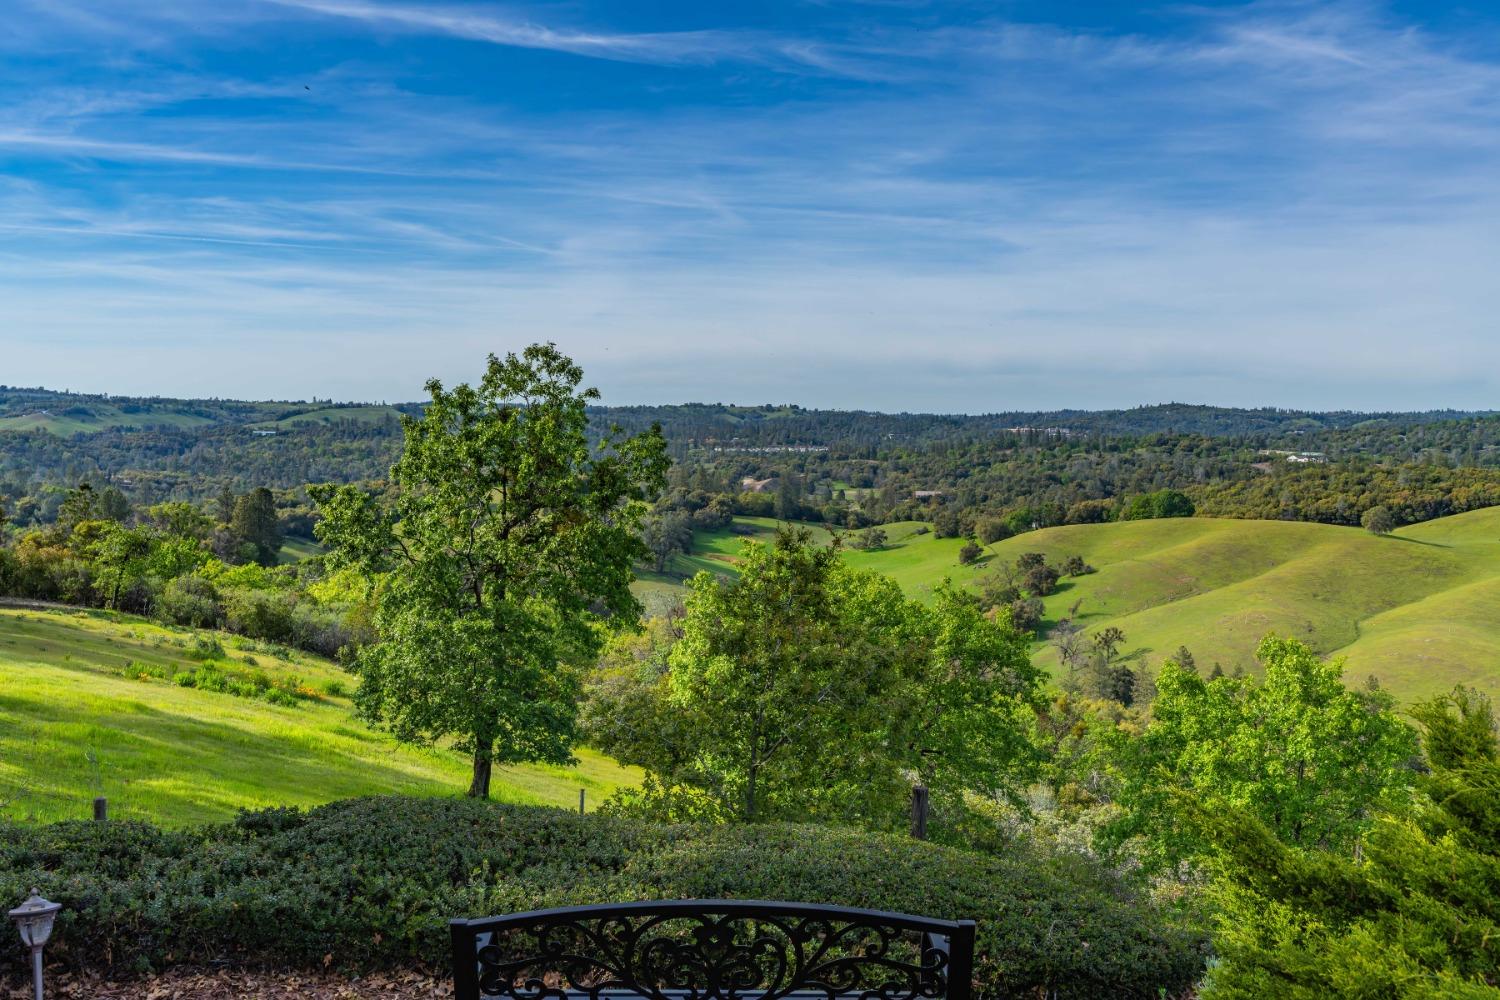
(484,752)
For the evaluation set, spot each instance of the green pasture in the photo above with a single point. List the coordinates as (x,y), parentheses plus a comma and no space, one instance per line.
(74,726)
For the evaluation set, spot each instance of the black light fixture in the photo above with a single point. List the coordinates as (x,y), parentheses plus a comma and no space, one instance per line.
(34,920)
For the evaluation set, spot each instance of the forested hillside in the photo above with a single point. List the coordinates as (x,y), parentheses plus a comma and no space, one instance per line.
(848,468)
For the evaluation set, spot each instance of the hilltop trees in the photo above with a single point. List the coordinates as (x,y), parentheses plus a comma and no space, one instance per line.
(1162,503)
(508,543)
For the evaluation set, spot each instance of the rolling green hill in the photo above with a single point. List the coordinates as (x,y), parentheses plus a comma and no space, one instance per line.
(332,414)
(1419,609)
(98,417)
(75,724)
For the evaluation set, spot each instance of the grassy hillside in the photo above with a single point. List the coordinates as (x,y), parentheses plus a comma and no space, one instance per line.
(74,725)
(1403,607)
(332,414)
(96,417)
(1418,609)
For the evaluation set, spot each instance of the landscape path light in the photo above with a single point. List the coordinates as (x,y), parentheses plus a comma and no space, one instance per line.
(34,920)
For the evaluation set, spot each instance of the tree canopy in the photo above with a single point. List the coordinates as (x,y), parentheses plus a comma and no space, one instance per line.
(1298,750)
(804,689)
(508,543)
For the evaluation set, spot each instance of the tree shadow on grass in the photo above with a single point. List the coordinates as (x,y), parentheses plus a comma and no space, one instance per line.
(161,764)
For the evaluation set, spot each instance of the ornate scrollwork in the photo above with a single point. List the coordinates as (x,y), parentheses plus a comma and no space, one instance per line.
(709,955)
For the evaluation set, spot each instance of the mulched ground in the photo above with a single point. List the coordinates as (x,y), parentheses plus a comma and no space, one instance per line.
(215,984)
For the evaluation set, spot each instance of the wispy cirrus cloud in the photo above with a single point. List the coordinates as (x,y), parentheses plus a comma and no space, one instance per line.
(494,27)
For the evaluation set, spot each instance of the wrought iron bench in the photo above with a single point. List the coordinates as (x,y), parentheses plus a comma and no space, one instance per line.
(712,950)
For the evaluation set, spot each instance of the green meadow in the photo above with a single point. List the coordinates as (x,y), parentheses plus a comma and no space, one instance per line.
(77,721)
(1418,609)
(100,417)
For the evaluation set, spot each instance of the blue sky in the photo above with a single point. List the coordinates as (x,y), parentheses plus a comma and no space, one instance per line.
(884,204)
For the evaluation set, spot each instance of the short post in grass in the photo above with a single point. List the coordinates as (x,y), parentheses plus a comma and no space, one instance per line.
(580,801)
(919,812)
(101,809)
(34,919)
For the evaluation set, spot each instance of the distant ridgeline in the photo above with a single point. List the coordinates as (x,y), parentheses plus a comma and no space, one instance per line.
(852,468)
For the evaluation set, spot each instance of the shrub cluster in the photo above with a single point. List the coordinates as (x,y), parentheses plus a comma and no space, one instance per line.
(373,882)
(225,676)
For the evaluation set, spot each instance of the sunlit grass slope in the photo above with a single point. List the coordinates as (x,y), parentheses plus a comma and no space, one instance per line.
(73,726)
(1419,609)
(101,417)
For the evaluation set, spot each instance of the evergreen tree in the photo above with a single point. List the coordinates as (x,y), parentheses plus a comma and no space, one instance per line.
(254,524)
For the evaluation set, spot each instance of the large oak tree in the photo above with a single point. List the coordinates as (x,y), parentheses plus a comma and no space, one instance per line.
(507,545)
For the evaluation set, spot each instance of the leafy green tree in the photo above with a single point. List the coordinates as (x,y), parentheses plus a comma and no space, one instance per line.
(1378,520)
(990,530)
(1075,566)
(121,554)
(1298,750)
(665,534)
(873,537)
(1041,581)
(805,689)
(970,553)
(1162,503)
(1414,915)
(1025,614)
(508,544)
(757,655)
(180,518)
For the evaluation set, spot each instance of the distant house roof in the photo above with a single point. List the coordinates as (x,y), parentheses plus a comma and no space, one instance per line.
(750,485)
(927,494)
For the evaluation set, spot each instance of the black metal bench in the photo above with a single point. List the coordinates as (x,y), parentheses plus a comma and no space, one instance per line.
(699,949)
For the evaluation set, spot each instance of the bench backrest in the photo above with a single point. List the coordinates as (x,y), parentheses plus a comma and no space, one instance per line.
(712,950)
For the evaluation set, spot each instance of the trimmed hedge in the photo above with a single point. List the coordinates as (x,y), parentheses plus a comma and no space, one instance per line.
(373,882)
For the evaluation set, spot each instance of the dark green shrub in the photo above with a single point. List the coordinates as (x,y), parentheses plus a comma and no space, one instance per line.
(373,882)
(189,600)
(261,614)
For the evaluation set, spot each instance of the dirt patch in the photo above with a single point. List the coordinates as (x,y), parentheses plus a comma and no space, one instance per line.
(222,984)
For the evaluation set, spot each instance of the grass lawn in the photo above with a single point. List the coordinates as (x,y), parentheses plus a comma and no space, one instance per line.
(73,726)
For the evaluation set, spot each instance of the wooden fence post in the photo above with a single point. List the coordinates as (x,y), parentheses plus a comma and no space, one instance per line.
(580,801)
(101,809)
(919,812)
